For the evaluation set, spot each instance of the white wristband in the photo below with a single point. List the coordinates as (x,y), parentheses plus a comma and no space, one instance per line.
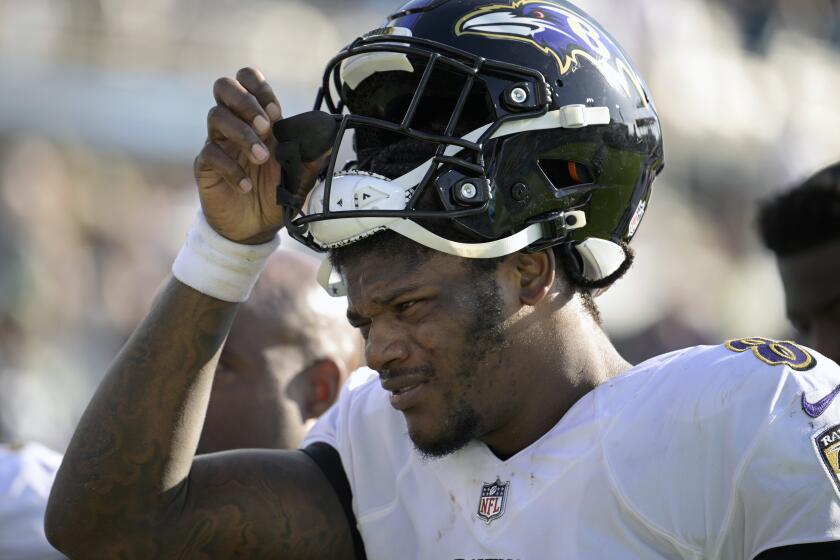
(219,267)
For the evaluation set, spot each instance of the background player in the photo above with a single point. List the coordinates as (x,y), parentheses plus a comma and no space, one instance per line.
(287,354)
(26,474)
(802,228)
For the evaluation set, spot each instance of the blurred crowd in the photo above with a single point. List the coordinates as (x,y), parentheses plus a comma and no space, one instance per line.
(102,108)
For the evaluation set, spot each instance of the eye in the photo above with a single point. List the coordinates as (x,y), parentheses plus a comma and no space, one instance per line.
(538,14)
(406,305)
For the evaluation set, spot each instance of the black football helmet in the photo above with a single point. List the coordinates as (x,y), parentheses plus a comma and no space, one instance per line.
(482,128)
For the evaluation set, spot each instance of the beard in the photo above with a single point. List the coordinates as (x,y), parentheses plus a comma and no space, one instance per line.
(483,337)
(461,427)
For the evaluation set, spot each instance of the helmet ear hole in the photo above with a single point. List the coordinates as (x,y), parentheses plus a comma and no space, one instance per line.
(565,173)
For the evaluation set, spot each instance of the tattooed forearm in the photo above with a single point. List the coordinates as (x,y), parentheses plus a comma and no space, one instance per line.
(135,442)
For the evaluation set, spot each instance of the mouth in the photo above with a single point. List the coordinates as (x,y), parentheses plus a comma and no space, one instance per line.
(406,390)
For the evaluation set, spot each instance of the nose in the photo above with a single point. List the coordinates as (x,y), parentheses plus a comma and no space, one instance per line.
(825,337)
(386,345)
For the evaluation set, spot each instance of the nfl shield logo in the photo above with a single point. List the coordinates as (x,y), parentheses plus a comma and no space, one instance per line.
(492,503)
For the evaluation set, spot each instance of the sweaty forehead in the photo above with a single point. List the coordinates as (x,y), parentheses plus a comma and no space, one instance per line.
(811,279)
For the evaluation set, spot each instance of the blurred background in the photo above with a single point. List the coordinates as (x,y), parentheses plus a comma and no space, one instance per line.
(102,110)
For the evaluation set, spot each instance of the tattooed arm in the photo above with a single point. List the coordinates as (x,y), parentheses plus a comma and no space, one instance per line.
(129,486)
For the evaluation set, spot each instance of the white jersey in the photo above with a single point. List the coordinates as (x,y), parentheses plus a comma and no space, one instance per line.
(709,452)
(26,476)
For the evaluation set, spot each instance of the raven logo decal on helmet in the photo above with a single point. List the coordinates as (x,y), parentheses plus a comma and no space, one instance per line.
(555,30)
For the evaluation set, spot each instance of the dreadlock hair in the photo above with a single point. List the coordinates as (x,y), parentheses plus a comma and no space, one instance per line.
(805,217)
(569,260)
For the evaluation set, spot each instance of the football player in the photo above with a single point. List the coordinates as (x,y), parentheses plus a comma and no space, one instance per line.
(505,156)
(26,472)
(802,228)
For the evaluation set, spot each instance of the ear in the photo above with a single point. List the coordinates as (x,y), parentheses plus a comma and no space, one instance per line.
(536,274)
(322,383)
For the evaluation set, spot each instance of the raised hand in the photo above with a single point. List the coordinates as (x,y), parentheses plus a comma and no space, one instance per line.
(236,171)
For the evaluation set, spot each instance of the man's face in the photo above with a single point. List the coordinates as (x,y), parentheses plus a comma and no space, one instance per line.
(812,293)
(248,407)
(435,331)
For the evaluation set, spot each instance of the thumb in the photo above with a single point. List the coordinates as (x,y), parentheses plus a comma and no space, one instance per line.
(304,143)
(311,171)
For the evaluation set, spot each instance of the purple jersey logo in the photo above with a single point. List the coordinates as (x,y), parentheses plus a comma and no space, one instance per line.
(491,505)
(556,30)
(774,352)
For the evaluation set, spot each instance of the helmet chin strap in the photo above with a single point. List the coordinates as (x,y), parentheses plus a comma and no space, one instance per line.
(486,250)
(600,257)
(419,234)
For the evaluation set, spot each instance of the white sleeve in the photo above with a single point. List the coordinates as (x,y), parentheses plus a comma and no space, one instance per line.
(26,475)
(788,487)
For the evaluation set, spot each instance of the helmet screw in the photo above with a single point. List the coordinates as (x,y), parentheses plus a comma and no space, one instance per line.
(518,95)
(519,192)
(468,191)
